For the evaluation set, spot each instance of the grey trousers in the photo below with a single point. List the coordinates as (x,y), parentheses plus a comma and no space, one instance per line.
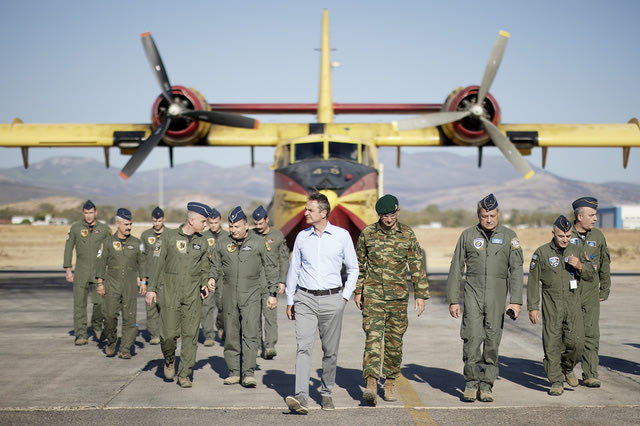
(324,314)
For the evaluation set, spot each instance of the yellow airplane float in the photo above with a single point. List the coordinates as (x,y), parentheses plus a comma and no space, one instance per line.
(338,159)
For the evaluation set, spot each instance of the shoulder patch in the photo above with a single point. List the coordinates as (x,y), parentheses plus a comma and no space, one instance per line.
(532,265)
(534,256)
(515,243)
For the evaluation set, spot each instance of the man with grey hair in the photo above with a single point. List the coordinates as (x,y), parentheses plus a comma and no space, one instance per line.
(316,297)
(492,256)
(591,241)
(118,271)
(183,262)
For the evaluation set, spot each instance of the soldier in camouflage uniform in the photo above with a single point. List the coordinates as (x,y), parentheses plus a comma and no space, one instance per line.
(385,250)
(276,248)
(493,260)
(183,261)
(86,237)
(213,234)
(559,266)
(241,258)
(120,266)
(152,242)
(591,241)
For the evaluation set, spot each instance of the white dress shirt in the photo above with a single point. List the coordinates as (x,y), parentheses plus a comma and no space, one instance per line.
(316,261)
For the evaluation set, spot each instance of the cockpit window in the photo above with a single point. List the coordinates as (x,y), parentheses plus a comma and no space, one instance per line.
(306,151)
(347,151)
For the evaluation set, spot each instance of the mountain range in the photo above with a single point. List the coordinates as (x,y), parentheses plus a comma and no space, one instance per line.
(448,180)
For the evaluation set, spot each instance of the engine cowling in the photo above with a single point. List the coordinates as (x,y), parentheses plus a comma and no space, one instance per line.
(183,130)
(469,130)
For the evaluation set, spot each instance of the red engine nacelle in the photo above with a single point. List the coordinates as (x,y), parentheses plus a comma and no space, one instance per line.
(469,131)
(183,130)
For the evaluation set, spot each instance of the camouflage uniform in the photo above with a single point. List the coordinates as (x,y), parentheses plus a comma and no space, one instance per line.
(277,249)
(182,268)
(119,264)
(214,300)
(493,269)
(86,240)
(151,242)
(383,257)
(591,291)
(563,331)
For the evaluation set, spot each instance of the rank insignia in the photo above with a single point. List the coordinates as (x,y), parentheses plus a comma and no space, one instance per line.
(197,246)
(97,231)
(515,243)
(478,243)
(129,247)
(84,233)
(181,245)
(211,241)
(151,240)
(231,248)
(117,245)
(554,261)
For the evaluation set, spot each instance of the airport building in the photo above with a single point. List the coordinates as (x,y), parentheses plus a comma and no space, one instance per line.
(622,217)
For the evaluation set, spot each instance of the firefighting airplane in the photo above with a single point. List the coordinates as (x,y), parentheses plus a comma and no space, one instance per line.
(338,159)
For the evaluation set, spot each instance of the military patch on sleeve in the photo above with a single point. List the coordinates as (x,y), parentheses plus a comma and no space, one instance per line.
(515,243)
(534,256)
(532,265)
(68,232)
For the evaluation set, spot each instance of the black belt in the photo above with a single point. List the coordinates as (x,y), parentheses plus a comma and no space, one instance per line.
(322,292)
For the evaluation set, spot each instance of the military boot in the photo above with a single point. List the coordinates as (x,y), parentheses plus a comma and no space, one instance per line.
(390,390)
(370,394)
(170,371)
(110,350)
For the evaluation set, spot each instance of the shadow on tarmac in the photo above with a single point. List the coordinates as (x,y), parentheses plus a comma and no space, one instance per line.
(620,365)
(446,381)
(525,372)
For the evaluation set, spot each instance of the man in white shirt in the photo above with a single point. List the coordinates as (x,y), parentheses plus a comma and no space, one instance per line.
(316,297)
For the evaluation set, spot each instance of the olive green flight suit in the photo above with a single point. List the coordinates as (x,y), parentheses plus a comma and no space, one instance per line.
(591,291)
(562,326)
(384,256)
(151,242)
(119,265)
(182,265)
(277,249)
(215,300)
(493,269)
(240,263)
(86,240)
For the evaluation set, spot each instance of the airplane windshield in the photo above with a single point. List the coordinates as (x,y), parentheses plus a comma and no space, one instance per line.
(347,151)
(306,151)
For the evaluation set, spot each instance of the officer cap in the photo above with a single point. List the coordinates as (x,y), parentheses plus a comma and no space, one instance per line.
(88,205)
(562,223)
(199,208)
(585,202)
(157,213)
(124,213)
(387,204)
(214,213)
(236,215)
(489,203)
(259,213)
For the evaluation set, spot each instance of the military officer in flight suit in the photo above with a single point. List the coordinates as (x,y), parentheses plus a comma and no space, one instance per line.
(118,271)
(240,258)
(209,304)
(152,241)
(182,267)
(493,260)
(85,237)
(559,267)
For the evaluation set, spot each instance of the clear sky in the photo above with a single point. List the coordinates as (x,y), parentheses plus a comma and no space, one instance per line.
(79,61)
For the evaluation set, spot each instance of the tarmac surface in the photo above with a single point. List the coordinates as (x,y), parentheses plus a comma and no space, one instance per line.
(46,379)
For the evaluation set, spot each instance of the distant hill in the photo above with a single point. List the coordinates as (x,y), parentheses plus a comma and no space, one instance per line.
(448,180)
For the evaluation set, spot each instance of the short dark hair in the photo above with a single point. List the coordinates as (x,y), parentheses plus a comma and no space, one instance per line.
(323,201)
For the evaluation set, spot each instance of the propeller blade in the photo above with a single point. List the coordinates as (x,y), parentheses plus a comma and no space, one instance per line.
(156,65)
(223,118)
(508,149)
(430,120)
(144,150)
(492,66)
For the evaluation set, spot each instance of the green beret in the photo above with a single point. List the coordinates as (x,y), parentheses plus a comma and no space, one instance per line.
(387,204)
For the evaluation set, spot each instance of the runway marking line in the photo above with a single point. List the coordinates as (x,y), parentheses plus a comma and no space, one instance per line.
(412,401)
